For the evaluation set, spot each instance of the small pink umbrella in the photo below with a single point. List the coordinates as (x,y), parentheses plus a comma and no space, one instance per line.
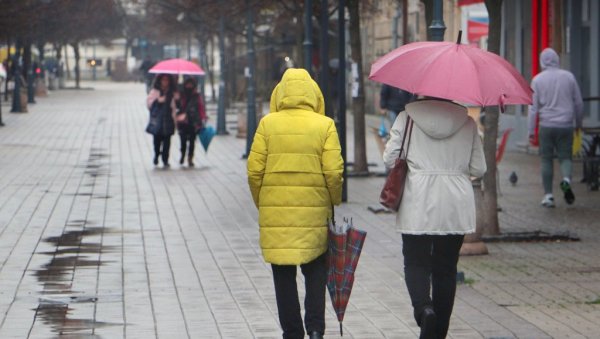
(452,71)
(177,66)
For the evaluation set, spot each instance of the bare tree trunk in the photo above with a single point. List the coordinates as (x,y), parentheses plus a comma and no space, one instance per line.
(77,56)
(127,44)
(231,70)
(490,194)
(298,55)
(557,29)
(211,74)
(59,68)
(67,62)
(358,99)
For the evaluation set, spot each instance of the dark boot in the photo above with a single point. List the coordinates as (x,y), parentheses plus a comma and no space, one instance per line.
(156,155)
(191,161)
(182,158)
(315,335)
(427,324)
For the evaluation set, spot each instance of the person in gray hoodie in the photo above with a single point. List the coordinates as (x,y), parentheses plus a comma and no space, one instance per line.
(557,101)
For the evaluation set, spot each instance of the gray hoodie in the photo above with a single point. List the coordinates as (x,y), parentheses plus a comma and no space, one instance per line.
(556,96)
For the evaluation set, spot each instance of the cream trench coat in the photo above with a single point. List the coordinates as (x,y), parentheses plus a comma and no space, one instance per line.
(445,152)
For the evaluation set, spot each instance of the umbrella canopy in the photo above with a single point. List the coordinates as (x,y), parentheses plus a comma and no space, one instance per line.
(452,71)
(205,135)
(177,66)
(345,246)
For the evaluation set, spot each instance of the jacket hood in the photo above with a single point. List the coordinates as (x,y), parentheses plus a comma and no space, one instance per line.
(436,118)
(297,90)
(549,58)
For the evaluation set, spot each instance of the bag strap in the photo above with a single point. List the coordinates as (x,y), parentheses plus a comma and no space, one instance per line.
(406,128)
(409,136)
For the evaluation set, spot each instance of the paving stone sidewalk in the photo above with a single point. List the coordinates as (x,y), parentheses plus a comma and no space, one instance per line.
(96,242)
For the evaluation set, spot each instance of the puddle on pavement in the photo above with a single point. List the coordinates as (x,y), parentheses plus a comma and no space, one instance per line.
(58,299)
(72,252)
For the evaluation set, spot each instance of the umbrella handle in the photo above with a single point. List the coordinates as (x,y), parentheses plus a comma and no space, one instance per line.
(333,213)
(341,330)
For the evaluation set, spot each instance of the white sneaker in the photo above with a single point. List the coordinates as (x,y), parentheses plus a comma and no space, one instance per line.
(548,201)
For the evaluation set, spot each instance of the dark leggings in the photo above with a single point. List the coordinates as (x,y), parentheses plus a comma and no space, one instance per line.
(430,265)
(185,139)
(288,305)
(165,142)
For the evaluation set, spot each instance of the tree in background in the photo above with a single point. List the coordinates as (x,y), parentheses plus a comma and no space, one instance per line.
(490,193)
(358,95)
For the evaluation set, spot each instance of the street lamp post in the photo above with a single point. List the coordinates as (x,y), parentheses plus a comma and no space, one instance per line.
(251,111)
(16,104)
(308,35)
(29,69)
(342,89)
(95,63)
(437,27)
(202,56)
(221,119)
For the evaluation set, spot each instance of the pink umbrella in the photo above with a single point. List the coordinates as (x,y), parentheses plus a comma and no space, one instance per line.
(452,71)
(177,66)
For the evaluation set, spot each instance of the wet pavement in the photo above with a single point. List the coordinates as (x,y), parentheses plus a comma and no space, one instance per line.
(96,242)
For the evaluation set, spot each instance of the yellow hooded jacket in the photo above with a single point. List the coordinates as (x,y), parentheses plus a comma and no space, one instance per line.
(295,172)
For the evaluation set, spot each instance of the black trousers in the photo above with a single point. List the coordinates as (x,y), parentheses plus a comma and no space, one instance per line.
(430,266)
(186,139)
(288,305)
(165,142)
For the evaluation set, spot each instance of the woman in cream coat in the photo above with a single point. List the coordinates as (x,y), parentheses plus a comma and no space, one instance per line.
(438,206)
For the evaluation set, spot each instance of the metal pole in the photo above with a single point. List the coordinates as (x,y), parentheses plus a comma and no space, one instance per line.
(308,35)
(221,119)
(324,56)
(202,56)
(95,63)
(189,46)
(437,27)
(342,89)
(29,64)
(16,104)
(251,112)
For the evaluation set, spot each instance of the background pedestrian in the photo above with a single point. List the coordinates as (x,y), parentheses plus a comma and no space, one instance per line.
(392,101)
(162,97)
(190,119)
(558,104)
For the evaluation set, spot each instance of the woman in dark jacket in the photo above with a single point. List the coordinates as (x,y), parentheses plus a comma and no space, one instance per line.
(190,119)
(162,98)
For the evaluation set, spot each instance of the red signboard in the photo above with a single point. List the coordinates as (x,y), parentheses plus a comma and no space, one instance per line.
(468,2)
(475,30)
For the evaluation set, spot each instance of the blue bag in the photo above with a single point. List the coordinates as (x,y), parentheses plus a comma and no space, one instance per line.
(382,129)
(155,123)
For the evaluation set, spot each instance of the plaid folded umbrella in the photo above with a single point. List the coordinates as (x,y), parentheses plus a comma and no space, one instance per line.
(345,246)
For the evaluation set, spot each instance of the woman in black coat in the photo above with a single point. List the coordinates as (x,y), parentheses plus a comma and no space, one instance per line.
(161,101)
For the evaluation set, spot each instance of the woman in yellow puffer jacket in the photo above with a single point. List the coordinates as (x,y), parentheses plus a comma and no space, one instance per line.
(295,176)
